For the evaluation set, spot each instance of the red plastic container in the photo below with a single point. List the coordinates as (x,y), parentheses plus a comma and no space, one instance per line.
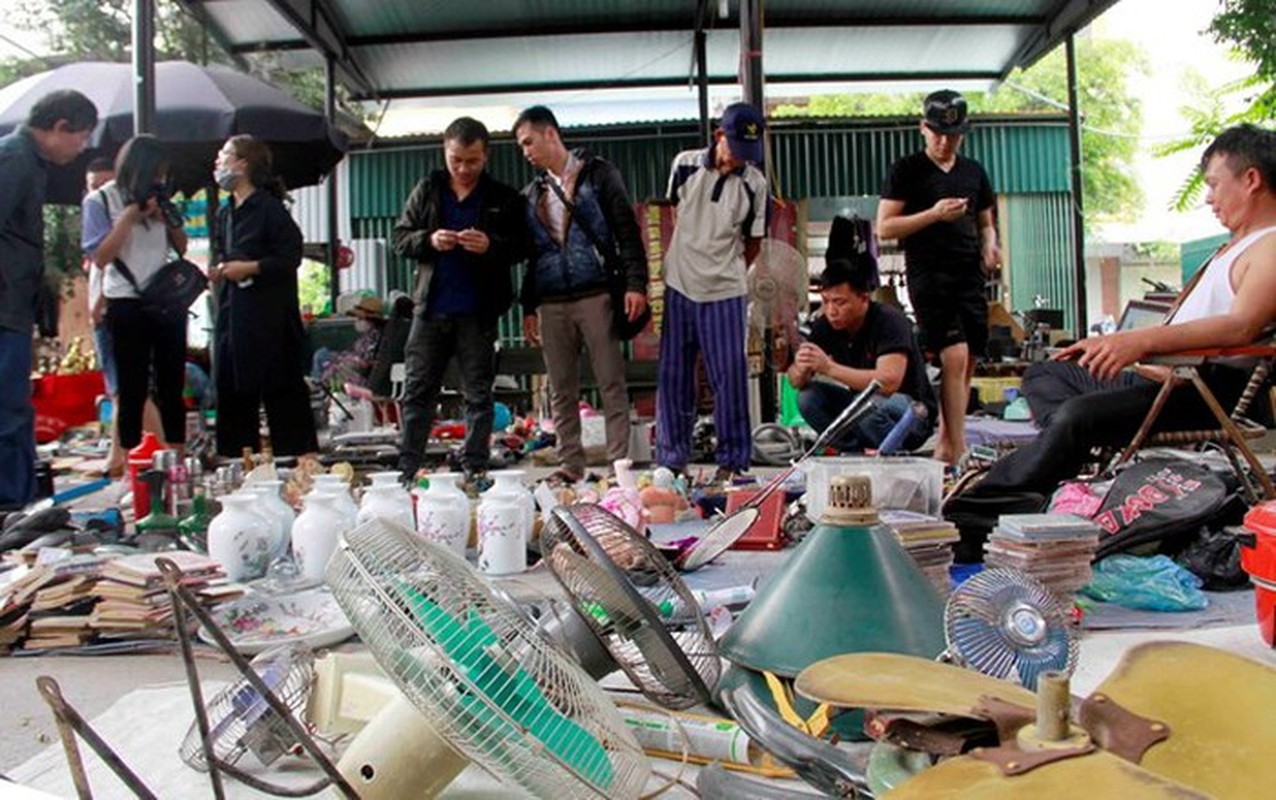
(64,401)
(1258,558)
(140,459)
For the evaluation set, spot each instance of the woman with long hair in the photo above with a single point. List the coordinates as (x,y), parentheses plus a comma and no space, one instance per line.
(258,358)
(130,227)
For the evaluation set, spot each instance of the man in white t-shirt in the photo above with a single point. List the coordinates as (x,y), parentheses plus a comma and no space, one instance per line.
(1231,304)
(721,196)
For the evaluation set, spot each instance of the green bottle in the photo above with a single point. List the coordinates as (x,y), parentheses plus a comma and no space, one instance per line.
(193,530)
(157,526)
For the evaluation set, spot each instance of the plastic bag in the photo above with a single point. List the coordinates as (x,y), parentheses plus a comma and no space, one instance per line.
(1215,557)
(1154,583)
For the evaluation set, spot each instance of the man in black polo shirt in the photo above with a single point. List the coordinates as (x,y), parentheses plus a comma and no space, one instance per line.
(854,342)
(939,205)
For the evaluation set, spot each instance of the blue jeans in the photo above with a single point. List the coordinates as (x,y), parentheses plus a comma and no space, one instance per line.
(17,420)
(821,402)
(105,345)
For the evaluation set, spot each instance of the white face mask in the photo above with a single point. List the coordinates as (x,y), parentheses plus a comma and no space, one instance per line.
(225,178)
(362,325)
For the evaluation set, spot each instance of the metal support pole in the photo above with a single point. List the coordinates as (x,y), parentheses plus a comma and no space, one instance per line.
(702,82)
(751,77)
(1078,188)
(330,182)
(143,66)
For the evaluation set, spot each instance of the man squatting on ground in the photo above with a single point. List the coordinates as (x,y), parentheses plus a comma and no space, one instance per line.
(721,196)
(579,215)
(854,342)
(465,230)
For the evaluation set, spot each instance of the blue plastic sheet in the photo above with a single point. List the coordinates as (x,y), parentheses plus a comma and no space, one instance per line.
(1152,583)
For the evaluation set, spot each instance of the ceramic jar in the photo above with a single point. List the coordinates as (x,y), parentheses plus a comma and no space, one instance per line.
(502,545)
(336,485)
(315,534)
(272,504)
(508,484)
(391,502)
(443,513)
(241,539)
(384,478)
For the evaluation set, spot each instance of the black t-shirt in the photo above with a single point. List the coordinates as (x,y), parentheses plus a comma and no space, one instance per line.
(951,248)
(885,330)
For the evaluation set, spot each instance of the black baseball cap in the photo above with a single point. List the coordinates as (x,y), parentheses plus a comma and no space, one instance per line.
(945,112)
(743,125)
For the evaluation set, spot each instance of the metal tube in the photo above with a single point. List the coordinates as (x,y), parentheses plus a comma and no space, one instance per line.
(1078,186)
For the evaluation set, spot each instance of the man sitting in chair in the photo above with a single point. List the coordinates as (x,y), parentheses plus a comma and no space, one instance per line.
(854,342)
(1230,303)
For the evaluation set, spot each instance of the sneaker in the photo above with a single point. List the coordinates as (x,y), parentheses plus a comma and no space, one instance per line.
(725,476)
(562,477)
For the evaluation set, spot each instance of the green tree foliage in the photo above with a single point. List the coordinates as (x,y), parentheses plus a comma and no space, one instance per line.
(1248,26)
(1111,118)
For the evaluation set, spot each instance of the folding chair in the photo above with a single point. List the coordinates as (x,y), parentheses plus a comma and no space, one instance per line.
(1234,429)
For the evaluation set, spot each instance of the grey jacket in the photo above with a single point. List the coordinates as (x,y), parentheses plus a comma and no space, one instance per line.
(23,177)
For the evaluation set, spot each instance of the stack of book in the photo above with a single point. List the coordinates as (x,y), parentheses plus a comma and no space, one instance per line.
(47,603)
(929,540)
(1056,549)
(133,599)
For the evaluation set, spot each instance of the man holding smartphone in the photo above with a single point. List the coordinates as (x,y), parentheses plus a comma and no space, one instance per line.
(939,205)
(465,230)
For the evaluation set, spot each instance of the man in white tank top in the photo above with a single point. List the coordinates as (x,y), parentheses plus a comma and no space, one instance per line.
(1231,304)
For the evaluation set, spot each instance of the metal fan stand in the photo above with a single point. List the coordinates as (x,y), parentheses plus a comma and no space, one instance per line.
(709,548)
(185,601)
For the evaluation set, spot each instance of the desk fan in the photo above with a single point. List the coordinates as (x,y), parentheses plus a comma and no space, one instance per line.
(729,529)
(1004,623)
(240,720)
(635,602)
(777,285)
(477,677)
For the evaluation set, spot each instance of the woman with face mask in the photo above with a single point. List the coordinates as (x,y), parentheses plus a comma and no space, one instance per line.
(130,230)
(258,355)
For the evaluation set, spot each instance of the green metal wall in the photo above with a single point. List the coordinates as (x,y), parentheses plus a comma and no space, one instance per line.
(810,158)
(1194,253)
(1039,246)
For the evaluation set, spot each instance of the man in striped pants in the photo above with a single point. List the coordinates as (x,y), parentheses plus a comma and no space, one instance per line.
(721,197)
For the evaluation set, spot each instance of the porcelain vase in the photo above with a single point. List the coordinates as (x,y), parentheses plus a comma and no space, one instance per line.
(443,513)
(272,504)
(315,534)
(508,484)
(241,539)
(336,485)
(391,502)
(502,544)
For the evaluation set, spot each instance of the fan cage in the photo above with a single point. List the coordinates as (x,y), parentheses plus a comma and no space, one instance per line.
(240,720)
(479,674)
(635,601)
(979,625)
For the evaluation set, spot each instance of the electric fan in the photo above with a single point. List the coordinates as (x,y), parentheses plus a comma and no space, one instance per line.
(241,721)
(1004,623)
(777,285)
(477,675)
(728,530)
(635,602)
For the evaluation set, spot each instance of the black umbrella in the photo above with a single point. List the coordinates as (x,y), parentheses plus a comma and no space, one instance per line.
(196,109)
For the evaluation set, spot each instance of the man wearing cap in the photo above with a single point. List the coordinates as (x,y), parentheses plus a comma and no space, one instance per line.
(721,195)
(939,205)
(465,230)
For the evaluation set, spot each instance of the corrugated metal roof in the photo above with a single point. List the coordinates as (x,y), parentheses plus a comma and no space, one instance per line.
(405,48)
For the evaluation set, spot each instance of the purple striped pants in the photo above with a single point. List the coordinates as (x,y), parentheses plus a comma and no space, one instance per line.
(716,329)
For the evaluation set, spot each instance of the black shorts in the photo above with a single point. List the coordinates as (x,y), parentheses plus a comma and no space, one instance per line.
(950,313)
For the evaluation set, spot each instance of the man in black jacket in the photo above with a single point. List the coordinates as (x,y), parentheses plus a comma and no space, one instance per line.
(579,217)
(56,131)
(466,230)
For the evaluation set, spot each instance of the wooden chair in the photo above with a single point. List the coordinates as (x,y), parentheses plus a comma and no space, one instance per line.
(1234,430)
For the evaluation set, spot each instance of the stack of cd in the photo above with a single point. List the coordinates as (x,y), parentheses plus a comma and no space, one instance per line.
(929,540)
(1056,549)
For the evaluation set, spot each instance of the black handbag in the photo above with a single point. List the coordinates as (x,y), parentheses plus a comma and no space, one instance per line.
(169,293)
(617,283)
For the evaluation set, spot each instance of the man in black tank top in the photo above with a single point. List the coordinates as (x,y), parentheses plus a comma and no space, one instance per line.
(939,205)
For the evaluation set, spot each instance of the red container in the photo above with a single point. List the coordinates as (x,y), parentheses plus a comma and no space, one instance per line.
(64,401)
(1258,558)
(764,534)
(140,459)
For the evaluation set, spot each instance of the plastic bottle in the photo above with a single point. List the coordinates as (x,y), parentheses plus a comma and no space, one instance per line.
(140,459)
